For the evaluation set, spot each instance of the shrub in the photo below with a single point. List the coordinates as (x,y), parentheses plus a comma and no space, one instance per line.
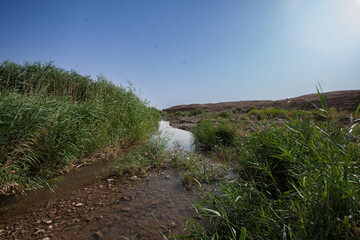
(225,114)
(208,135)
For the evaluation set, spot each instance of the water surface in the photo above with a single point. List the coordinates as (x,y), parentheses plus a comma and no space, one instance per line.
(178,139)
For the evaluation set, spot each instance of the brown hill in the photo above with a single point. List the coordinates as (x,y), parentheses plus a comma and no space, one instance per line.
(347,100)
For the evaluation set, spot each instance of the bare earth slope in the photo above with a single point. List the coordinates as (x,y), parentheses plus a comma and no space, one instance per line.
(342,100)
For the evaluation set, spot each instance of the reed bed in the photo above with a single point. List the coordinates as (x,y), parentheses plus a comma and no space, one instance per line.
(297,180)
(50,119)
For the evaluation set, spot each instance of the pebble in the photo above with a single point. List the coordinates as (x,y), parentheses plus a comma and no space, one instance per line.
(40,231)
(47,238)
(48,221)
(125,209)
(99,235)
(125,198)
(79,205)
(134,178)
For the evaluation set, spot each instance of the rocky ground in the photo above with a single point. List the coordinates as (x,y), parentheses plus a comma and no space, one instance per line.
(133,208)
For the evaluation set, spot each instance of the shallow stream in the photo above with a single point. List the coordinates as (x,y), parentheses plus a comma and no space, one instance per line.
(159,201)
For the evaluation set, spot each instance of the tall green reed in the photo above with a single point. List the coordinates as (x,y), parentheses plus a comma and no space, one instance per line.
(297,181)
(50,118)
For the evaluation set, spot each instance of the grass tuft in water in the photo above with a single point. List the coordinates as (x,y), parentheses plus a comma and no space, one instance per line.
(146,156)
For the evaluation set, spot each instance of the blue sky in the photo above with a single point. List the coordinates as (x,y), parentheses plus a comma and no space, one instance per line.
(192,51)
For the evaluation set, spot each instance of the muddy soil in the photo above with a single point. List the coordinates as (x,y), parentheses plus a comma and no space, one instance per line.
(134,207)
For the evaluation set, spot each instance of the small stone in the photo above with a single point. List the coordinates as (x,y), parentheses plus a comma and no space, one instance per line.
(167,176)
(79,205)
(134,178)
(51,227)
(125,198)
(47,238)
(48,221)
(125,209)
(40,231)
(99,235)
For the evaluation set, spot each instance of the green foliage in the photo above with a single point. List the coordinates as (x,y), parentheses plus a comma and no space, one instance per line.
(195,168)
(51,118)
(208,135)
(196,112)
(146,156)
(278,112)
(225,114)
(297,181)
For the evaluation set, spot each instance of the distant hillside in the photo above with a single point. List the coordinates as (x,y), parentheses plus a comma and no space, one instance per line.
(342,100)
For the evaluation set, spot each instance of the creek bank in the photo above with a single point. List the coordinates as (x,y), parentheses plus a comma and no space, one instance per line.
(184,124)
(112,207)
(108,209)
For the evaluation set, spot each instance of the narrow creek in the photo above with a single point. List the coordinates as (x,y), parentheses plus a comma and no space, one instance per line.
(83,208)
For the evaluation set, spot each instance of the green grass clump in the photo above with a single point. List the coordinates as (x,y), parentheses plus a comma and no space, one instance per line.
(195,168)
(297,181)
(208,135)
(146,156)
(51,119)
(278,112)
(225,114)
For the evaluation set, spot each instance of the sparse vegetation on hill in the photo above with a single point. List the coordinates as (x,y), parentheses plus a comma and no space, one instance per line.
(51,118)
(340,100)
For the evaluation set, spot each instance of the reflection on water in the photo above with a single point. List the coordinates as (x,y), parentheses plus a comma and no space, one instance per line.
(177,138)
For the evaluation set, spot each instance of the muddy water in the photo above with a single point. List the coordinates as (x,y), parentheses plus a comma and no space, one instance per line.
(135,209)
(139,210)
(75,179)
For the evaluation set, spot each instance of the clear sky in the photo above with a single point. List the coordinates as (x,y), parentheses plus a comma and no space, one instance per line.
(192,51)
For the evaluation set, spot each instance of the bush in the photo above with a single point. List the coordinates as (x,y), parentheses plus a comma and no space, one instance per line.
(225,115)
(208,135)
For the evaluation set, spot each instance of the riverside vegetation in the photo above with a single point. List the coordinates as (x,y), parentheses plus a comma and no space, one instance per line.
(52,119)
(297,178)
